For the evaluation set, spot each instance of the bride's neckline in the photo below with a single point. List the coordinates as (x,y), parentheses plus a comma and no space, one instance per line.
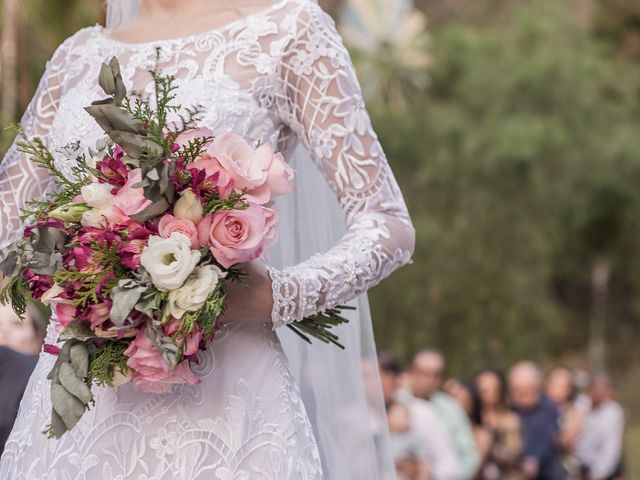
(106,33)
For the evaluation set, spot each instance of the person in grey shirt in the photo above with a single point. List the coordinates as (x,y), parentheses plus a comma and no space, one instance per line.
(600,444)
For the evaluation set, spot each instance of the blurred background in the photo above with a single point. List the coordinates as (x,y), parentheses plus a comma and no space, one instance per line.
(513,127)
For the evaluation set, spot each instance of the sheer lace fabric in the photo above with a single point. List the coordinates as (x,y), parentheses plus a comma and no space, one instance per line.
(281,76)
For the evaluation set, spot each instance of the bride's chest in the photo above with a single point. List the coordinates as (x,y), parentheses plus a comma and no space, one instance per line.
(233,83)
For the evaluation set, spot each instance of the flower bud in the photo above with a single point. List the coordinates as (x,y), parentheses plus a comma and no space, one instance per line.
(69,212)
(189,207)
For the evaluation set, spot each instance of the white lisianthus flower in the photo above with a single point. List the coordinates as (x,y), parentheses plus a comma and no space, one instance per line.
(195,291)
(97,195)
(169,261)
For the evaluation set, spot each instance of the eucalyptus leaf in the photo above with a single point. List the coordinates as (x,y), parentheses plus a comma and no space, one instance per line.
(44,263)
(76,331)
(155,209)
(58,428)
(79,355)
(136,145)
(124,301)
(74,385)
(120,90)
(63,356)
(111,118)
(48,239)
(66,405)
(10,260)
(107,80)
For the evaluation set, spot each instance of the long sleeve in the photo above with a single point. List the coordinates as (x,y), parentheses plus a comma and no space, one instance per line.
(320,99)
(20,179)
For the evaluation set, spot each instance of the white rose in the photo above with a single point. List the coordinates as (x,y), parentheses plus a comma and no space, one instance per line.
(169,261)
(97,195)
(195,291)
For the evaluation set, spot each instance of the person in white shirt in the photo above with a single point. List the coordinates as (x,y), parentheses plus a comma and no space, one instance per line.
(419,440)
(445,464)
(600,444)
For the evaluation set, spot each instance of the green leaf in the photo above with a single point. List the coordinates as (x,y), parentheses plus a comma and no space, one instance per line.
(153,210)
(110,80)
(74,385)
(112,118)
(79,355)
(136,145)
(10,259)
(58,428)
(69,407)
(125,297)
(76,331)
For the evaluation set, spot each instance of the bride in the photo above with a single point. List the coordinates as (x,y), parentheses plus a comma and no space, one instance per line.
(269,406)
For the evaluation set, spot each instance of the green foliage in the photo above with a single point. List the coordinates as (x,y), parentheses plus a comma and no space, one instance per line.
(65,189)
(234,201)
(521,168)
(16,293)
(90,282)
(108,360)
(207,317)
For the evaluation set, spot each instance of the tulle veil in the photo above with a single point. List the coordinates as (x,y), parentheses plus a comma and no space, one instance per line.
(340,388)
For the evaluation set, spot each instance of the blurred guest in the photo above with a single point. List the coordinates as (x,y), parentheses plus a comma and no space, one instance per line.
(21,335)
(467,396)
(427,377)
(539,421)
(505,450)
(407,447)
(562,391)
(19,345)
(599,446)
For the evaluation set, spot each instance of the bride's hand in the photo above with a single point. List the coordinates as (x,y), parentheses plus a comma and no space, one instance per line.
(253,302)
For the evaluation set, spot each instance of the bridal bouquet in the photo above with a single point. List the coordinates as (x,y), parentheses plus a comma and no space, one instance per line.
(133,255)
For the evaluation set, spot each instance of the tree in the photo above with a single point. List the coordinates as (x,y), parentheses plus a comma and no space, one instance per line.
(523,157)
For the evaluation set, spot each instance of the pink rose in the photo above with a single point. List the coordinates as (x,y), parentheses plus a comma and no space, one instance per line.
(279,173)
(131,200)
(151,373)
(240,160)
(234,236)
(192,341)
(270,228)
(170,224)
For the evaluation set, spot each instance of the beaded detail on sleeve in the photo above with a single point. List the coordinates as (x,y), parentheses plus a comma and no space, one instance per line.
(320,99)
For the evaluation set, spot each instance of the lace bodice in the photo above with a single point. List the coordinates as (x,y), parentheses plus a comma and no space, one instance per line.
(280,75)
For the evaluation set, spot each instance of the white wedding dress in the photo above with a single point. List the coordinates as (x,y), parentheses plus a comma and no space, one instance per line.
(279,75)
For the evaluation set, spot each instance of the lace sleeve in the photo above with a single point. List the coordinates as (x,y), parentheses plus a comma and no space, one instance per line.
(20,179)
(320,100)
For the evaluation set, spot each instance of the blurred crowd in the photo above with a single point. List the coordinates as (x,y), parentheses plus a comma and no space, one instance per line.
(514,425)
(20,343)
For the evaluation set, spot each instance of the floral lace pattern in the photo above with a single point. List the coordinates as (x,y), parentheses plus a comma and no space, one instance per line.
(280,75)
